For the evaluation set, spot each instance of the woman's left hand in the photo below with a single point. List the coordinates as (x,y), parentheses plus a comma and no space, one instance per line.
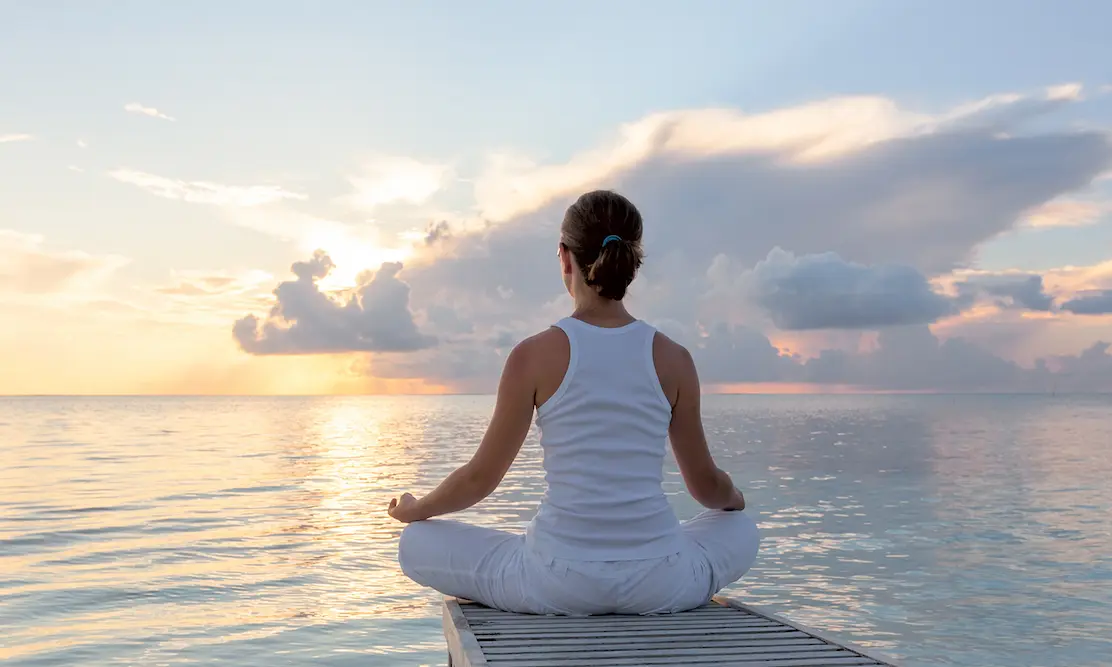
(403,509)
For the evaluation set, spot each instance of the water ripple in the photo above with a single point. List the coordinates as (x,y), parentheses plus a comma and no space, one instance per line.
(943,530)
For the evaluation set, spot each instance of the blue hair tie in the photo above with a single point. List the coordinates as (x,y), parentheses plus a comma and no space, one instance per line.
(608,239)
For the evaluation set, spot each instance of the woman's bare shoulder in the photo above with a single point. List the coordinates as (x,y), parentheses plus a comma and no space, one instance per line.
(546,356)
(669,354)
(673,364)
(543,343)
(543,352)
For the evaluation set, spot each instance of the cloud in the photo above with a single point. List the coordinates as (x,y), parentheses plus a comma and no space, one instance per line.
(28,267)
(11,138)
(859,178)
(135,107)
(1093,303)
(877,203)
(1069,279)
(207,297)
(1088,371)
(192,287)
(81,143)
(1067,213)
(388,180)
(1065,91)
(1010,290)
(1005,113)
(259,208)
(194,283)
(513,184)
(825,292)
(202,192)
(437,231)
(907,358)
(904,359)
(374,317)
(811,133)
(731,354)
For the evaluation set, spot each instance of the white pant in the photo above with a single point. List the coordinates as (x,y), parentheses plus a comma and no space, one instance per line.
(497,569)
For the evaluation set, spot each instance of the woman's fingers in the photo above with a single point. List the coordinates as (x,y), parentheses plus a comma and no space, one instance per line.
(401,506)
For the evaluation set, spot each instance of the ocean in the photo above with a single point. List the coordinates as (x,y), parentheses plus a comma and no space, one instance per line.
(942,530)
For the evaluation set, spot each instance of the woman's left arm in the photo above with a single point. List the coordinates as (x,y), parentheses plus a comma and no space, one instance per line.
(477,479)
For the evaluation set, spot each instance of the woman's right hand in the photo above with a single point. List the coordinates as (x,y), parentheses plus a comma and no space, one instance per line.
(403,508)
(737,502)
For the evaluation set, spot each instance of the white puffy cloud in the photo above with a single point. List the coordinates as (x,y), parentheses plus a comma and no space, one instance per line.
(374,317)
(136,108)
(12,138)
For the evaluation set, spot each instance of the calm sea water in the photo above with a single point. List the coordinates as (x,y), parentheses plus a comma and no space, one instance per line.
(944,530)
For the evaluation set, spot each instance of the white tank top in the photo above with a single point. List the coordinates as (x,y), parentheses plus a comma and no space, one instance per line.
(604,434)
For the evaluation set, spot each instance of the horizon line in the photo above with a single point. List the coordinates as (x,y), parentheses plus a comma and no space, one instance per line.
(877,392)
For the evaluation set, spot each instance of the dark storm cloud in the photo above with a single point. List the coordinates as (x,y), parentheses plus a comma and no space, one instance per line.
(1095,303)
(1019,291)
(905,359)
(826,292)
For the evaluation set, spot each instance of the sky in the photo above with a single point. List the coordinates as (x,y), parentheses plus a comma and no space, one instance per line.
(280,197)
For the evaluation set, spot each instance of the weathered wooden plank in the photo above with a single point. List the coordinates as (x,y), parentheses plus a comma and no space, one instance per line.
(575,644)
(483,631)
(463,646)
(761,611)
(822,651)
(588,626)
(733,617)
(786,633)
(722,649)
(847,659)
(706,610)
(614,623)
(730,615)
(603,631)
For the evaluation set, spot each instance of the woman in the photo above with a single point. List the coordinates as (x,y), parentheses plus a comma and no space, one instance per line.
(609,391)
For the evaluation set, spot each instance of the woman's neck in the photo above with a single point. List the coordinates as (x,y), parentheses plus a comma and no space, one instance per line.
(594,309)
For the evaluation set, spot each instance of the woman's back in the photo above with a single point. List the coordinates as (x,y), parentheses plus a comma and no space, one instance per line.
(604,434)
(608,392)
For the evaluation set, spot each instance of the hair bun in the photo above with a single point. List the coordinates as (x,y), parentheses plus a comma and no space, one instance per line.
(603,231)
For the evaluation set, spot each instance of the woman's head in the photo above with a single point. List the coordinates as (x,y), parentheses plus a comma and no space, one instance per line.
(601,241)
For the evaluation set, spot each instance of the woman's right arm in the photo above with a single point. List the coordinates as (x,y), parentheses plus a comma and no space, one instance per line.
(708,484)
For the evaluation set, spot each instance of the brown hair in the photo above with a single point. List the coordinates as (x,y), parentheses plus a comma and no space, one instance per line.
(608,265)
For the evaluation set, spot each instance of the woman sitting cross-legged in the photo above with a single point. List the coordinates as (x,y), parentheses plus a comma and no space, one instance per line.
(609,392)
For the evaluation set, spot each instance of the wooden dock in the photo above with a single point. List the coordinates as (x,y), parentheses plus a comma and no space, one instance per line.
(724,632)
